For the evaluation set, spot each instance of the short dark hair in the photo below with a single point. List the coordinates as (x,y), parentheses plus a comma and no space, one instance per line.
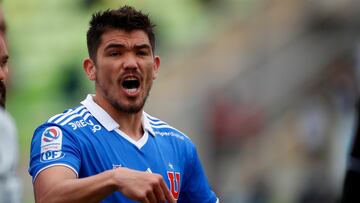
(125,18)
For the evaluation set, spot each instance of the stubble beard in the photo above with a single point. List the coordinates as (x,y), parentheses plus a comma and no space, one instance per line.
(129,109)
(2,94)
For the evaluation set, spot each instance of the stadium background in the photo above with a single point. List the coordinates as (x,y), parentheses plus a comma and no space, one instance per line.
(265,88)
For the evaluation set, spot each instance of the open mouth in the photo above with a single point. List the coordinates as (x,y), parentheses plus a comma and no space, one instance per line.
(131,84)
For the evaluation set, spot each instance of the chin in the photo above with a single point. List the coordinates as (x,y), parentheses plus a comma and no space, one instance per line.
(131,108)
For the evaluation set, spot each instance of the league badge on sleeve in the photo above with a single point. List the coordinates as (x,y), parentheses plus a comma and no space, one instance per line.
(51,144)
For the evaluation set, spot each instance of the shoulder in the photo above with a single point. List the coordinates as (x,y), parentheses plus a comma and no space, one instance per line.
(64,121)
(163,129)
(69,115)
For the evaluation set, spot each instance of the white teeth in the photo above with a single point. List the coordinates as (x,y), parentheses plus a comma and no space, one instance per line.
(131,78)
(131,91)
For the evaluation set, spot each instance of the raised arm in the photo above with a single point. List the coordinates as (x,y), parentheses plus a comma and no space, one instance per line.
(59,184)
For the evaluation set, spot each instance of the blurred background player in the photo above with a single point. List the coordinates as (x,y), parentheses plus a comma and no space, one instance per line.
(9,181)
(352,176)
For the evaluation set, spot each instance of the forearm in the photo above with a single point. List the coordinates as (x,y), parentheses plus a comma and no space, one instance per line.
(59,184)
(90,189)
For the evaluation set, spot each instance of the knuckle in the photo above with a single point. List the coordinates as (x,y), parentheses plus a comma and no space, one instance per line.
(148,191)
(155,180)
(162,199)
(143,195)
(142,199)
(153,184)
(158,178)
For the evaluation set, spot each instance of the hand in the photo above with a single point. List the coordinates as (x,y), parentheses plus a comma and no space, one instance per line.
(142,186)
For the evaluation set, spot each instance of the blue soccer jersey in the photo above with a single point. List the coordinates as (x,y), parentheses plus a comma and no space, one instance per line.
(88,141)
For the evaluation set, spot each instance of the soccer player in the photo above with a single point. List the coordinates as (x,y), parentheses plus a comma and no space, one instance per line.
(108,149)
(10,190)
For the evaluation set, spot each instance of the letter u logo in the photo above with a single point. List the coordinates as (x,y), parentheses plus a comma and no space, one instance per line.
(175,191)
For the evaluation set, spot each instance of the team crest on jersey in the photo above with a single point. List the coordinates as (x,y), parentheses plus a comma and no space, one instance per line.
(174,179)
(51,144)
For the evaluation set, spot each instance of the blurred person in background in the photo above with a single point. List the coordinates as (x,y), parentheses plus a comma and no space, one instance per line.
(108,149)
(352,176)
(4,52)
(10,191)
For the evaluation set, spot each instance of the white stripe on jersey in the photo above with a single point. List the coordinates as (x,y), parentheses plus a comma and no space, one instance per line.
(164,126)
(74,116)
(54,117)
(151,117)
(58,115)
(87,116)
(69,114)
(56,164)
(160,125)
(158,122)
(154,120)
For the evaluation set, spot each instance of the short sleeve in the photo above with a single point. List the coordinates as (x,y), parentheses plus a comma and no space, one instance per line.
(195,187)
(52,145)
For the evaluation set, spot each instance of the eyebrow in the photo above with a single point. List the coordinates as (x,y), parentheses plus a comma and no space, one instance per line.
(117,45)
(142,46)
(112,45)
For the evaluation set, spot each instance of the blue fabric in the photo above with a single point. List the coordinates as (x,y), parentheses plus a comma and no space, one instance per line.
(77,140)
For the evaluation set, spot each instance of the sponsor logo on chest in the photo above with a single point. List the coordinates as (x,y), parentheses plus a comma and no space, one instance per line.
(82,123)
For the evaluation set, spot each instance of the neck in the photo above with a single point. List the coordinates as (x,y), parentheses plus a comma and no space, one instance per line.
(130,123)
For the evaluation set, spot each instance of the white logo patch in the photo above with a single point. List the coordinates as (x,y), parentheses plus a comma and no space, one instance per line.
(51,144)
(149,170)
(51,156)
(51,139)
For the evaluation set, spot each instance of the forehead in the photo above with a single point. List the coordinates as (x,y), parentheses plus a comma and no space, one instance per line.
(128,39)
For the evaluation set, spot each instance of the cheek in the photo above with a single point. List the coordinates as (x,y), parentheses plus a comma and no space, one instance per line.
(6,71)
(150,72)
(150,75)
(105,69)
(105,76)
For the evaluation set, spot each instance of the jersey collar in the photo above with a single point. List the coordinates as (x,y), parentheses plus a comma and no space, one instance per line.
(106,120)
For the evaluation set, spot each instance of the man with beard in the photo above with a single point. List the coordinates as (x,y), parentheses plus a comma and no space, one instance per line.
(108,149)
(4,58)
(9,181)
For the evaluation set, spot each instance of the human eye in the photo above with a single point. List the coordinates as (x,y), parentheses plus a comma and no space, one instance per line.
(114,53)
(143,53)
(4,61)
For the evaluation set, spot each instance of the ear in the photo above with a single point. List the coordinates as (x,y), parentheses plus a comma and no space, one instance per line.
(156,66)
(90,69)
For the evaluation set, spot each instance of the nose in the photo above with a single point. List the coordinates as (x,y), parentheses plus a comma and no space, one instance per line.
(130,62)
(2,74)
